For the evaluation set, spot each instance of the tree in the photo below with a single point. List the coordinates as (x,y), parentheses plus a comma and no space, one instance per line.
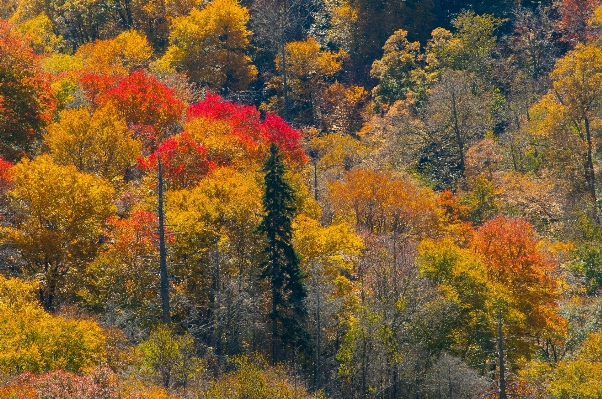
(342,108)
(215,259)
(399,71)
(469,48)
(501,284)
(327,257)
(99,383)
(281,265)
(455,116)
(59,213)
(521,278)
(121,282)
(77,22)
(26,102)
(461,277)
(574,20)
(383,203)
(308,70)
(276,22)
(362,27)
(140,100)
(42,39)
(210,46)
(184,161)
(98,143)
(252,377)
(169,356)
(32,340)
(568,118)
(235,134)
(577,376)
(124,54)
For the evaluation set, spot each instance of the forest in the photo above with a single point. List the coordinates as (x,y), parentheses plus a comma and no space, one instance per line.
(295,199)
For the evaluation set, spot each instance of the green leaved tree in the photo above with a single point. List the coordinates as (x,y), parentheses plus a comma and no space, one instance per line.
(281,266)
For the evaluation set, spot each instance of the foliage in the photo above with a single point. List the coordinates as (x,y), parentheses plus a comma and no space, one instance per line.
(469,49)
(398,71)
(59,216)
(98,143)
(574,20)
(184,161)
(327,249)
(140,99)
(308,71)
(42,39)
(504,270)
(26,102)
(235,134)
(210,46)
(343,108)
(124,54)
(281,264)
(169,356)
(576,376)
(122,279)
(252,378)
(383,203)
(521,276)
(568,118)
(412,208)
(32,340)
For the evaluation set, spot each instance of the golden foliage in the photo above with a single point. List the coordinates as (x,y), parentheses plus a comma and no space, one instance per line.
(210,46)
(98,143)
(32,340)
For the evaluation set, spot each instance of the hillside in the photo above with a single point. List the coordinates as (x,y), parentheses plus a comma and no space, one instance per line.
(300,199)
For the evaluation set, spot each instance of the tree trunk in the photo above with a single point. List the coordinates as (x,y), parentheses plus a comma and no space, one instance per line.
(501,363)
(166,316)
(457,132)
(590,177)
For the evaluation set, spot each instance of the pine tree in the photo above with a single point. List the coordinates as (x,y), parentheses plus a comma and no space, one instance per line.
(281,264)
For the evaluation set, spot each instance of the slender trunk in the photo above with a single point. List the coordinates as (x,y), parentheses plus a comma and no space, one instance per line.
(274,328)
(283,55)
(590,177)
(274,308)
(317,370)
(395,394)
(364,366)
(217,306)
(316,178)
(449,382)
(47,295)
(284,82)
(502,366)
(166,316)
(457,132)
(128,13)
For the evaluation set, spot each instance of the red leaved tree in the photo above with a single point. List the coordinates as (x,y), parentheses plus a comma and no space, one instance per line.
(251,132)
(26,101)
(147,105)
(521,275)
(184,161)
(574,17)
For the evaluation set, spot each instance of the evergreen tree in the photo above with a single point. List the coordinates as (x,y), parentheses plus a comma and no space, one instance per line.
(281,264)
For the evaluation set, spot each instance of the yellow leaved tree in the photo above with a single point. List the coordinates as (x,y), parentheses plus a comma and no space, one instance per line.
(122,55)
(59,214)
(309,69)
(33,340)
(99,143)
(567,120)
(210,46)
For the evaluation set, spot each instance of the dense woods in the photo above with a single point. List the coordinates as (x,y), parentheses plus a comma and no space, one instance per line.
(300,199)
